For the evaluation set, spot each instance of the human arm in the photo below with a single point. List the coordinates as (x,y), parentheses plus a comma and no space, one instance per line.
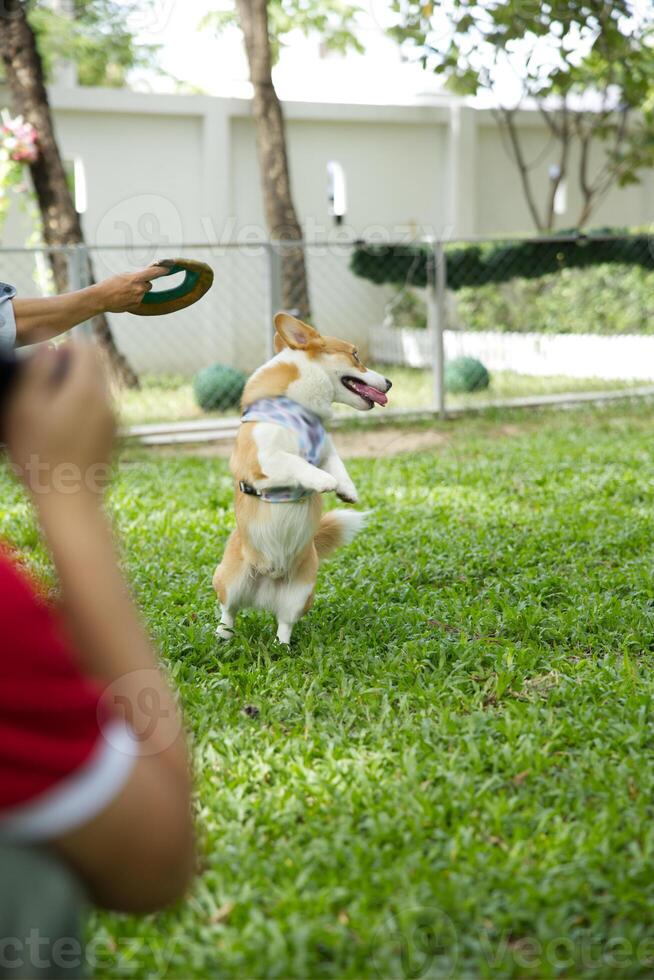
(137,853)
(48,316)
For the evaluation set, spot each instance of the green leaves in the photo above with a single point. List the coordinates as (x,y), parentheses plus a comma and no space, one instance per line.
(97,38)
(333,20)
(588,66)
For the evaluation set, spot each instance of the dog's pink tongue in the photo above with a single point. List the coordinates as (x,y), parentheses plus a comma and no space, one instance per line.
(374,394)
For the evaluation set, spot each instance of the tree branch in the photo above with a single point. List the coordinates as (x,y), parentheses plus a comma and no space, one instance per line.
(507,117)
(551,125)
(596,190)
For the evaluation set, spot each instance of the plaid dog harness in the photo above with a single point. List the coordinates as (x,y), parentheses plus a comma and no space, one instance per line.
(306,425)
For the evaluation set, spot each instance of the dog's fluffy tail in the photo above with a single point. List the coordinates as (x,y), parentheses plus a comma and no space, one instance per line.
(336,528)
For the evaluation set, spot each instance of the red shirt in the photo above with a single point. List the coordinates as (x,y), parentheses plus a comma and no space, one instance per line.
(50,723)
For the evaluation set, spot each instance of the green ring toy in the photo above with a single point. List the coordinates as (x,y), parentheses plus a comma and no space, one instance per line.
(197,281)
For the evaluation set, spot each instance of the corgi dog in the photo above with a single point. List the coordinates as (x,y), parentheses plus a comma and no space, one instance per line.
(282,462)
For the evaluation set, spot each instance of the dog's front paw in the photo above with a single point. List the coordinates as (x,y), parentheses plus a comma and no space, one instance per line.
(224,632)
(347,492)
(324,483)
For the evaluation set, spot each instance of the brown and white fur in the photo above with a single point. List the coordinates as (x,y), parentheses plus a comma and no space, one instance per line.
(271,559)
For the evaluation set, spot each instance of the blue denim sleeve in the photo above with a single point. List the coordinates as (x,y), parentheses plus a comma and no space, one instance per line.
(7,318)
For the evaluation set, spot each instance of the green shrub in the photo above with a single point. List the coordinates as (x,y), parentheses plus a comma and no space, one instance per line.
(503,261)
(465,374)
(218,387)
(406,309)
(601,282)
(607,299)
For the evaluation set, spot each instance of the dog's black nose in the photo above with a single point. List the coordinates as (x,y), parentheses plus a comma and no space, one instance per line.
(389,383)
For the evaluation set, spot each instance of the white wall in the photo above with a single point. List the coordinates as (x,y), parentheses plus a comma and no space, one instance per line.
(395,172)
(500,203)
(445,168)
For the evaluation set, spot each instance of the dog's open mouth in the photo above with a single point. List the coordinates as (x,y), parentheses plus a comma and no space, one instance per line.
(369,394)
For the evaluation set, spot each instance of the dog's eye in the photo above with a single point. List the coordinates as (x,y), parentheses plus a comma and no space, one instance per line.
(356,358)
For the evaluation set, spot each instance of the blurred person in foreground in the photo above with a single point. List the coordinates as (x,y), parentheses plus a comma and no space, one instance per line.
(94,777)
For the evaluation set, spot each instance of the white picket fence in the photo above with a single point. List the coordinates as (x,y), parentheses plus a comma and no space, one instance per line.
(627,357)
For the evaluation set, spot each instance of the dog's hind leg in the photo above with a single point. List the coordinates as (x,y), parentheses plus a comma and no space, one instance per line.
(225,628)
(228,581)
(284,631)
(295,596)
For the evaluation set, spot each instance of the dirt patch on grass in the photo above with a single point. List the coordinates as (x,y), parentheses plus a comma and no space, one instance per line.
(384,441)
(387,441)
(372,443)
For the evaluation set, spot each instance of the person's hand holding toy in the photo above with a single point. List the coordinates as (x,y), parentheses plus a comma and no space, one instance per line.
(41,319)
(125,292)
(131,292)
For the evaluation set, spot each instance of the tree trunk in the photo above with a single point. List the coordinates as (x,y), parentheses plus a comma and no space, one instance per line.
(61,223)
(281,218)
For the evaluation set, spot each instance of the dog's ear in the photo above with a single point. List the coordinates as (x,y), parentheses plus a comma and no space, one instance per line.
(293,333)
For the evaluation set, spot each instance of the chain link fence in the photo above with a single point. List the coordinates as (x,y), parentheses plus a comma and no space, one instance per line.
(523,320)
(455,325)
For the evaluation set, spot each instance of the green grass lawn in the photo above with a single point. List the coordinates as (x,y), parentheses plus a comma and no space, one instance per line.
(451,771)
(170,399)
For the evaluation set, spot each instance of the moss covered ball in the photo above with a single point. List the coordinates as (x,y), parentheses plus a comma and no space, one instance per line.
(218,387)
(465,374)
